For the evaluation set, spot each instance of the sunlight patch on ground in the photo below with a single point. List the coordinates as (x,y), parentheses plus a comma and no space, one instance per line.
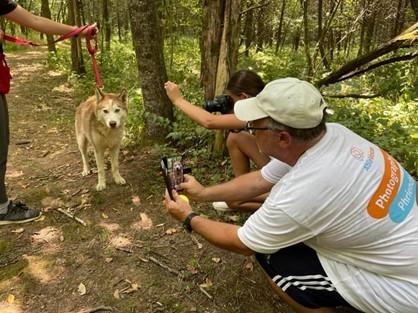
(54,73)
(63,88)
(49,237)
(145,223)
(112,227)
(120,241)
(42,270)
(9,308)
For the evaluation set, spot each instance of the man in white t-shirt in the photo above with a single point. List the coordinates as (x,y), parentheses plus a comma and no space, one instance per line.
(340,226)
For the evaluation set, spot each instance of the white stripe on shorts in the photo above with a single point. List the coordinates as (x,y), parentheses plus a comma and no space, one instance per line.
(318,282)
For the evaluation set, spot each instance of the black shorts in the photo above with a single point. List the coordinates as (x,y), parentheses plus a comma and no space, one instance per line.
(298,272)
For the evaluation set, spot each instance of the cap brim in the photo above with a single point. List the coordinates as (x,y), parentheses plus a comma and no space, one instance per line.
(248,110)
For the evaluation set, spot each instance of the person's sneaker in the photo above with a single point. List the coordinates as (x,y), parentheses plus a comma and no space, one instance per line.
(221,206)
(18,212)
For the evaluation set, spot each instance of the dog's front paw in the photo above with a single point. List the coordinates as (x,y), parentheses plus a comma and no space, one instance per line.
(86,172)
(101,186)
(119,180)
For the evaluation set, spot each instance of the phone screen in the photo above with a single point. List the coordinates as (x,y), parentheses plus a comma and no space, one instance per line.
(166,176)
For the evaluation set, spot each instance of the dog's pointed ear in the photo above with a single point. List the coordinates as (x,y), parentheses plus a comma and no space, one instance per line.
(123,96)
(99,94)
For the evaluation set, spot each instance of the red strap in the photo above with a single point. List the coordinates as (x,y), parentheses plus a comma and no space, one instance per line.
(19,41)
(91,45)
(74,33)
(92,48)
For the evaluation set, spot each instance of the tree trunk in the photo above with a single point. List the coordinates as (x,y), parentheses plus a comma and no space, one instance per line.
(414,5)
(279,31)
(249,28)
(45,12)
(320,37)
(227,61)
(106,24)
(148,43)
(305,4)
(213,12)
(77,62)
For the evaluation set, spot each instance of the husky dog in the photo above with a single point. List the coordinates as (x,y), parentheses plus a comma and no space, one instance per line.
(99,121)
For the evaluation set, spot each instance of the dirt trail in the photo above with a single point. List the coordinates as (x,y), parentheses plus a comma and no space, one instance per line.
(130,257)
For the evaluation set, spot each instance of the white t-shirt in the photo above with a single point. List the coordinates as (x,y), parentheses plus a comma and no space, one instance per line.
(357,207)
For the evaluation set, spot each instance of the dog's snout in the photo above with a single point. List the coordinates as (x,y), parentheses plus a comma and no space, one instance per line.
(112,124)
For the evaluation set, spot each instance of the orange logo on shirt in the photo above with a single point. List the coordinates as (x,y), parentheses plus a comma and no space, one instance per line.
(386,192)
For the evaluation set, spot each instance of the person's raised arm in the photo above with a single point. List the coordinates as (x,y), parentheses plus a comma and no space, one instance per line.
(244,187)
(198,114)
(39,23)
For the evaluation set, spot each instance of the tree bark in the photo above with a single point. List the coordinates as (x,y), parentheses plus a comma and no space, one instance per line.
(77,61)
(213,12)
(305,4)
(279,31)
(414,5)
(46,12)
(148,43)
(106,24)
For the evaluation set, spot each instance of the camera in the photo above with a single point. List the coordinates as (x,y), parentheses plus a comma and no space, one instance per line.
(173,172)
(223,104)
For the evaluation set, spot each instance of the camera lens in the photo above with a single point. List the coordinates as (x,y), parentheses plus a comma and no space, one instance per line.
(222,104)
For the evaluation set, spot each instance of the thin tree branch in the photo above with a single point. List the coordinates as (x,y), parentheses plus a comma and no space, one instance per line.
(254,7)
(406,39)
(401,58)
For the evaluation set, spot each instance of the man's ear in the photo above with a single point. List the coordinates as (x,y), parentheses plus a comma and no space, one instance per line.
(285,139)
(123,96)
(99,94)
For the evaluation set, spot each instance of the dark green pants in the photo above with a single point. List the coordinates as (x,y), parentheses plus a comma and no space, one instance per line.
(4,146)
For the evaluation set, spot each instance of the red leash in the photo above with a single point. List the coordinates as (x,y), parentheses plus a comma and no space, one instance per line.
(92,48)
(91,44)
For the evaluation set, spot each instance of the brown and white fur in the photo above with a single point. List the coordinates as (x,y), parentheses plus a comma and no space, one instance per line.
(100,121)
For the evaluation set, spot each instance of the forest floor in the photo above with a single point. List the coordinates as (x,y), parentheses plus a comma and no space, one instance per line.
(124,254)
(130,256)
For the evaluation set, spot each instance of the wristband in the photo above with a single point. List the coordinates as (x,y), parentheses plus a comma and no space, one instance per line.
(187,221)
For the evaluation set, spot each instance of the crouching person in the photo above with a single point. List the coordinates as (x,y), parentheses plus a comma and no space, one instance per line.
(338,229)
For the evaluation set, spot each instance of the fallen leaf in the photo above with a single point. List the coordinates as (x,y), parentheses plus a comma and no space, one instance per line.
(10,299)
(105,216)
(207,284)
(132,288)
(18,231)
(216,260)
(116,294)
(108,260)
(82,289)
(248,265)
(144,223)
(136,201)
(171,231)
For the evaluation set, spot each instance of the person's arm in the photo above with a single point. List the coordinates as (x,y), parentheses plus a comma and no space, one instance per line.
(243,187)
(198,114)
(38,23)
(222,235)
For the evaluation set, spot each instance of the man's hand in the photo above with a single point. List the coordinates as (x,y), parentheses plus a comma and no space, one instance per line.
(173,91)
(192,187)
(179,208)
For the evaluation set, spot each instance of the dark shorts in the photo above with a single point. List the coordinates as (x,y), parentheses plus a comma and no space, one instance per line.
(298,272)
